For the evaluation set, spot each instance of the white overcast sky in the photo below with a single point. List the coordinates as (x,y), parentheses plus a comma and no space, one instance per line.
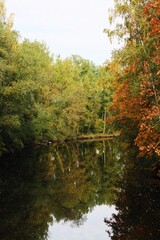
(67,26)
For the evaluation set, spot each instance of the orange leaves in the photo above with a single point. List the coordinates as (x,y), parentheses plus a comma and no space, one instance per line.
(138,111)
(135,108)
(125,105)
(146,90)
(155,22)
(148,140)
(152,9)
(158,73)
(148,136)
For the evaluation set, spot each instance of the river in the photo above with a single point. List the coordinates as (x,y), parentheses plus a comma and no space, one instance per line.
(79,190)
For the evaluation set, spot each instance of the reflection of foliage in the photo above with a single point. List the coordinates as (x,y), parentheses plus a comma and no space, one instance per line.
(137,202)
(64,181)
(80,177)
(25,206)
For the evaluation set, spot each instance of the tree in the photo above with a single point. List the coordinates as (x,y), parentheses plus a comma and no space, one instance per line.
(87,75)
(136,103)
(9,120)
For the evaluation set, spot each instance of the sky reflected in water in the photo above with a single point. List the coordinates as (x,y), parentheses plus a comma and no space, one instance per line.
(92,229)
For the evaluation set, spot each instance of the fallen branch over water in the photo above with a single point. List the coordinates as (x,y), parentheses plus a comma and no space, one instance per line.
(89,137)
(96,136)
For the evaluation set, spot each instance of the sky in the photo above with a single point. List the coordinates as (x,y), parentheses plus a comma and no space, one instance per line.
(66,26)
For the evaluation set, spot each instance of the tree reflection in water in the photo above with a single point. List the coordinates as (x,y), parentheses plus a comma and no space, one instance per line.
(61,182)
(138,201)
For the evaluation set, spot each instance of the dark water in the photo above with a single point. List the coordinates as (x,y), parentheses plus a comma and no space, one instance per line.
(70,191)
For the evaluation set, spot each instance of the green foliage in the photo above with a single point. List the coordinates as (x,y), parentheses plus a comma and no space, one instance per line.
(45,98)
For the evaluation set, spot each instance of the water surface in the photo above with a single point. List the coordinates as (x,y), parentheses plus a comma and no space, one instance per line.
(70,191)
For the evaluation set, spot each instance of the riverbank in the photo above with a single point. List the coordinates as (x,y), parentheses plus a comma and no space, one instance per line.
(81,138)
(100,136)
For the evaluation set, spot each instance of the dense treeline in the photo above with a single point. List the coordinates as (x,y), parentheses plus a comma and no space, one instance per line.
(135,108)
(43,97)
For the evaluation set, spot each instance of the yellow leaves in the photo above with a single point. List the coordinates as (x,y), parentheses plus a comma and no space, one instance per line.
(2,10)
(10,21)
(19,88)
(11,121)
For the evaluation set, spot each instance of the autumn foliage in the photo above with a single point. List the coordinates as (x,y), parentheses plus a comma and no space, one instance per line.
(135,108)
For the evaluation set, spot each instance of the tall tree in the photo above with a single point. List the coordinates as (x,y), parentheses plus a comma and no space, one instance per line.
(136,102)
(9,120)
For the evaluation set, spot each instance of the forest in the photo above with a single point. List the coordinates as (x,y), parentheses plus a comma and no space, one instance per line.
(46,98)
